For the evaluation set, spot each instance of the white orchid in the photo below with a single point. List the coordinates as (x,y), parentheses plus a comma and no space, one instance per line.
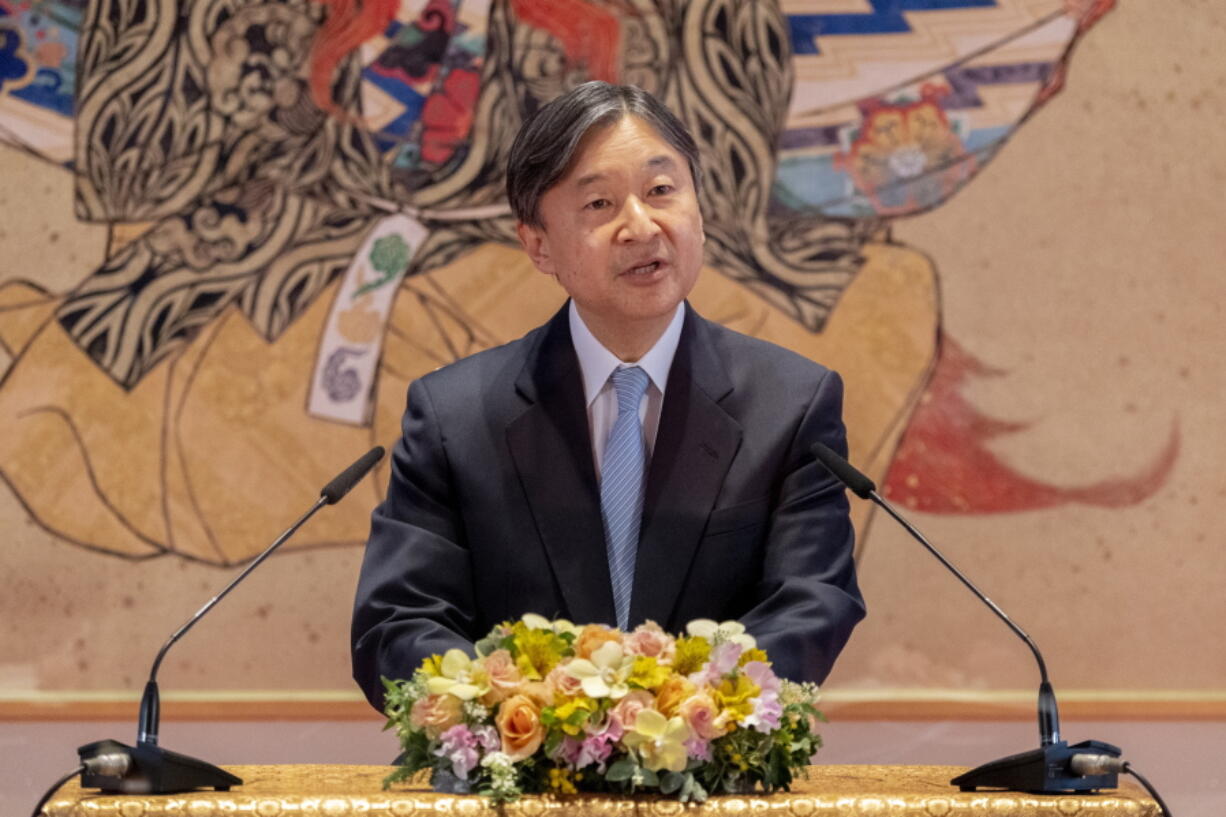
(461,677)
(538,622)
(725,632)
(604,676)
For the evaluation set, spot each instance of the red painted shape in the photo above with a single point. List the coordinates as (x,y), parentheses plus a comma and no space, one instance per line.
(447,115)
(590,34)
(349,24)
(943,465)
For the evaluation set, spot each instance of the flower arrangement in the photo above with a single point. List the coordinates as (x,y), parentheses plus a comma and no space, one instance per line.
(547,706)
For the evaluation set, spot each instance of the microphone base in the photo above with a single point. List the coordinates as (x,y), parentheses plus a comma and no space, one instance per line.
(1041,771)
(153,770)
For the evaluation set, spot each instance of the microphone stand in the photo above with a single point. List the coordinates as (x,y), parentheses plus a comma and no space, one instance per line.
(146,768)
(1055,766)
(1043,770)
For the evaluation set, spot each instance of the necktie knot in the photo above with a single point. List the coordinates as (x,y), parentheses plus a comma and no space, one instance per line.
(629,383)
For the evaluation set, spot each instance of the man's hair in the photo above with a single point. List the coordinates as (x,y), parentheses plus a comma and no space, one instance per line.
(546,143)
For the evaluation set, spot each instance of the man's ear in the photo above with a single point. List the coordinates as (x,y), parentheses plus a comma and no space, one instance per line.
(536,245)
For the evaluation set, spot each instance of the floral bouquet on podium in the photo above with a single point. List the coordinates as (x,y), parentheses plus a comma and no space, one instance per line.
(548,706)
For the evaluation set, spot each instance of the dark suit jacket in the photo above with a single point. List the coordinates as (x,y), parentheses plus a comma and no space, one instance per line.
(493,508)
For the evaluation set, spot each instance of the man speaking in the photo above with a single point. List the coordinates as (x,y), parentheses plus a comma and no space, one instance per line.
(627,461)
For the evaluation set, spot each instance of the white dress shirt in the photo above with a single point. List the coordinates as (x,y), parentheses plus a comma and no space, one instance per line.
(597,364)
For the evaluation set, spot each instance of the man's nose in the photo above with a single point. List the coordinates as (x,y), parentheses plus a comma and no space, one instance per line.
(638,221)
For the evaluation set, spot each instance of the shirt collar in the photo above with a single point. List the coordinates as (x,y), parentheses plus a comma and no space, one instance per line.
(597,363)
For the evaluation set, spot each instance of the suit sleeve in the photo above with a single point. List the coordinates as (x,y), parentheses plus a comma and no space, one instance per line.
(415,592)
(808,600)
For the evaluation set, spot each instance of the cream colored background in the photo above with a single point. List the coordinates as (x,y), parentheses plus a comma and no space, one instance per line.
(1086,260)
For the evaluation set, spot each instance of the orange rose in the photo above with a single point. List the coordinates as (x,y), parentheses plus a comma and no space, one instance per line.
(672,693)
(504,677)
(591,637)
(538,692)
(436,713)
(519,724)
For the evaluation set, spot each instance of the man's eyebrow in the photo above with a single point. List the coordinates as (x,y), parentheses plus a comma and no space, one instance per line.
(661,162)
(591,178)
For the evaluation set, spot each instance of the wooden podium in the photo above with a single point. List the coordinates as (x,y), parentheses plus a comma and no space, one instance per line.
(350,791)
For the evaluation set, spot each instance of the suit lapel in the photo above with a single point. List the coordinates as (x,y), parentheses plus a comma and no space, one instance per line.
(695,444)
(551,447)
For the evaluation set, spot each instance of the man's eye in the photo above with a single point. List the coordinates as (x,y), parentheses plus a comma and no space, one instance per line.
(662,189)
(598,204)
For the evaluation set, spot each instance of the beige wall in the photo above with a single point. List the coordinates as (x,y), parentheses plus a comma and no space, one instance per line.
(1086,261)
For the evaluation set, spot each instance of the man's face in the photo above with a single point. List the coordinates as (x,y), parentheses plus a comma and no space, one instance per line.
(622,231)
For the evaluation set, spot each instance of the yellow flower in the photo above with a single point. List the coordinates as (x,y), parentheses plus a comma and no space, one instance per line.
(647,673)
(752,655)
(733,696)
(564,712)
(432,665)
(460,676)
(560,781)
(537,651)
(659,741)
(692,653)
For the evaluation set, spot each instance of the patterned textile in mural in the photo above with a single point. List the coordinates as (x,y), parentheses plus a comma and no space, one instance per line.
(306,211)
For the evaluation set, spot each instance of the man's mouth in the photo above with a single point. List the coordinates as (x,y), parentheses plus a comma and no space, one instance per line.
(644,269)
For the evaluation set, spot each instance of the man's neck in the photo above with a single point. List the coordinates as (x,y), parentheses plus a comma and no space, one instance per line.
(629,342)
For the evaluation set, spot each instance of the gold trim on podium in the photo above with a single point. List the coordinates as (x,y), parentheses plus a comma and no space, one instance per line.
(350,791)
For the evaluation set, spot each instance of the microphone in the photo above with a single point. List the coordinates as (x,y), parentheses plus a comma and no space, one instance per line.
(343,482)
(147,768)
(1053,767)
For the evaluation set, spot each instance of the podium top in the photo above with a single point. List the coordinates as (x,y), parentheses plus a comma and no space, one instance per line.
(341,791)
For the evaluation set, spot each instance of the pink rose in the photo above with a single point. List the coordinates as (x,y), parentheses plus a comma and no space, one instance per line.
(561,683)
(702,716)
(504,677)
(629,707)
(435,713)
(649,640)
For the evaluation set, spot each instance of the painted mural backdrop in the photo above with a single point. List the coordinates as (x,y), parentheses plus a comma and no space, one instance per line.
(283,212)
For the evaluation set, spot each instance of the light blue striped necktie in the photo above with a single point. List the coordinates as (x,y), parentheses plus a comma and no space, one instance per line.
(621,486)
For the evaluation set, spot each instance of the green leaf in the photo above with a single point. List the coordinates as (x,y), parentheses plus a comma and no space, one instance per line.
(623,769)
(672,781)
(552,741)
(693,792)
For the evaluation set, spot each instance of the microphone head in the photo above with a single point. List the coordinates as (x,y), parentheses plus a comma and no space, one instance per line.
(335,490)
(857,483)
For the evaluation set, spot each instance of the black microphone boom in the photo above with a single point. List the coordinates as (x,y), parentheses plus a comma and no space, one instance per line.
(1046,769)
(151,769)
(343,482)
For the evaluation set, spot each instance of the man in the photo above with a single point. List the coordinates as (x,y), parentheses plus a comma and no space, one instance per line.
(628,460)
